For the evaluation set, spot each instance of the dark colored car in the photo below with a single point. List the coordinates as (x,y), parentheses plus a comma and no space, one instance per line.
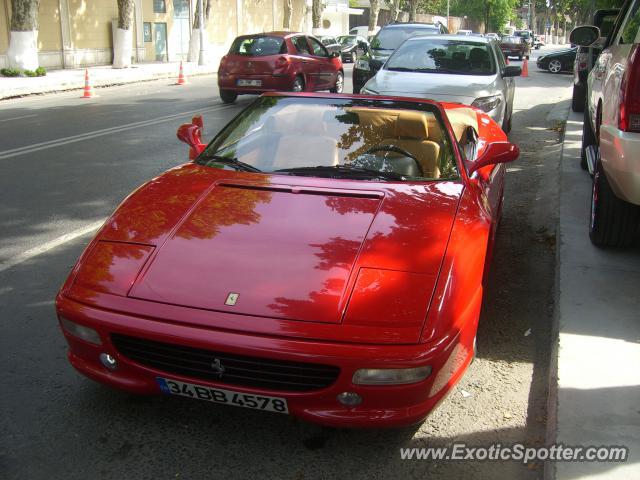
(278,61)
(586,57)
(560,61)
(514,46)
(384,43)
(352,47)
(330,42)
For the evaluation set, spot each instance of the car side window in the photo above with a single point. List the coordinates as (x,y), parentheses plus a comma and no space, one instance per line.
(318,49)
(500,57)
(630,31)
(301,45)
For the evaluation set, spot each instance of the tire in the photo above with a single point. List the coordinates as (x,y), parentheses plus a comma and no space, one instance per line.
(354,57)
(339,86)
(588,138)
(506,121)
(578,98)
(228,96)
(298,84)
(613,222)
(555,66)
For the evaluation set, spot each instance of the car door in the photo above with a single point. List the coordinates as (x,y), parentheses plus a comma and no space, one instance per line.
(304,61)
(326,68)
(508,83)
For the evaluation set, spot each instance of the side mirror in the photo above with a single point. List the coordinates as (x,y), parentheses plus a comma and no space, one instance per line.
(190,134)
(584,36)
(497,152)
(511,71)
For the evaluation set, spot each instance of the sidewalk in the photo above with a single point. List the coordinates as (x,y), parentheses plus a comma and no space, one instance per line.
(598,314)
(101,76)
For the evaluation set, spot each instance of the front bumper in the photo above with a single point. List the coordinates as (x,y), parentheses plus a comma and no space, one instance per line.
(382,406)
(620,157)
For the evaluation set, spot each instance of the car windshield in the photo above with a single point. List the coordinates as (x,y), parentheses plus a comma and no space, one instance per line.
(436,55)
(337,138)
(258,46)
(510,39)
(392,38)
(347,40)
(523,34)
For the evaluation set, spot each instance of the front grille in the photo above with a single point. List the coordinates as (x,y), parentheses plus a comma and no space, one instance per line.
(238,369)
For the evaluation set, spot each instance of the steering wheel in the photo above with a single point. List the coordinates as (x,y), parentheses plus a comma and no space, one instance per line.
(396,149)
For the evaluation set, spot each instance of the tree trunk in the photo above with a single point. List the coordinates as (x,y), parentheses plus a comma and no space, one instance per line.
(316,16)
(288,14)
(373,15)
(23,39)
(194,41)
(122,49)
(395,9)
(413,10)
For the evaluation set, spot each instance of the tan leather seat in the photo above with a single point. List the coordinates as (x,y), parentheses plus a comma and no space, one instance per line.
(412,134)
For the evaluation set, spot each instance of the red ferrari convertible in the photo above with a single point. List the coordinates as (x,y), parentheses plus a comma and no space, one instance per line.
(322,257)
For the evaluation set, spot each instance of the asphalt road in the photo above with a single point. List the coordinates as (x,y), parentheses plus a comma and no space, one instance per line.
(67,163)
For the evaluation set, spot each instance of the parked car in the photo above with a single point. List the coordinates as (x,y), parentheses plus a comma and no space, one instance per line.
(352,47)
(278,61)
(330,42)
(464,32)
(493,36)
(558,61)
(538,42)
(611,129)
(363,31)
(448,68)
(322,257)
(586,56)
(384,43)
(526,34)
(513,46)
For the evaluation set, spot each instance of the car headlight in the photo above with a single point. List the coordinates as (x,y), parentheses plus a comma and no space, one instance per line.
(362,65)
(84,333)
(390,376)
(486,104)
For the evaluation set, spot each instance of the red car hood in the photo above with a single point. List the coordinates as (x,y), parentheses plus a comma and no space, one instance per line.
(283,247)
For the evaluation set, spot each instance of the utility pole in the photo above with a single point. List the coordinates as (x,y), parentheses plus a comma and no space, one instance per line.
(201,56)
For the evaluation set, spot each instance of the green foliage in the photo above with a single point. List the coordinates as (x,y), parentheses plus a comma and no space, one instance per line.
(41,72)
(29,73)
(10,72)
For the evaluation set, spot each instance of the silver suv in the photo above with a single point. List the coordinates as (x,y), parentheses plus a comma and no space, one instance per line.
(611,130)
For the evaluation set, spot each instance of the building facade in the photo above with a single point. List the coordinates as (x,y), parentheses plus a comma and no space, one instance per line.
(77,33)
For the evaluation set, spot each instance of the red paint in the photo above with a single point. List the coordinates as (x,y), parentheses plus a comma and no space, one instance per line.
(278,72)
(355,274)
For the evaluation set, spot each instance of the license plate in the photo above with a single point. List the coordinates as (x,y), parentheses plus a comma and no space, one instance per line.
(219,395)
(249,83)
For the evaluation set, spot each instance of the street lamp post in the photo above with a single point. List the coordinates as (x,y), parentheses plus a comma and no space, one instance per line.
(201,19)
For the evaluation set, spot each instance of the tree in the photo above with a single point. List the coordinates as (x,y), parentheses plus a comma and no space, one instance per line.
(288,13)
(124,35)
(194,41)
(413,10)
(23,39)
(317,7)
(373,15)
(394,6)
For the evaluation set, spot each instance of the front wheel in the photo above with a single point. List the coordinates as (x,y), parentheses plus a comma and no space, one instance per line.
(506,121)
(339,86)
(228,96)
(613,221)
(578,98)
(555,66)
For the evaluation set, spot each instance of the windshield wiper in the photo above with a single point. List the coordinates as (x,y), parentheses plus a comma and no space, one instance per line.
(244,167)
(401,69)
(348,169)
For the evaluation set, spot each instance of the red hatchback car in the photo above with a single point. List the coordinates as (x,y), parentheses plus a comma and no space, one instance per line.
(278,61)
(322,257)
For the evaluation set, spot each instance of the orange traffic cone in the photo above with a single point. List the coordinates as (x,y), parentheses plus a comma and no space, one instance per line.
(182,80)
(88,89)
(525,68)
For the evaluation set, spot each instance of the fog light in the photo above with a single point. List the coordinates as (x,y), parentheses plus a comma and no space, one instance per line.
(390,376)
(108,361)
(85,333)
(349,399)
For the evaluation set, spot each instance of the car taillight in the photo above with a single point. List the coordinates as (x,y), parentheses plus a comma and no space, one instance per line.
(629,116)
(282,62)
